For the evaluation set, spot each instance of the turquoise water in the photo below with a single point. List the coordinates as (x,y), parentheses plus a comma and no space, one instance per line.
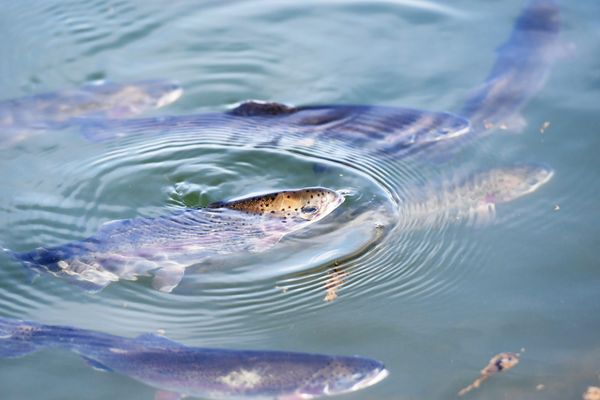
(433,302)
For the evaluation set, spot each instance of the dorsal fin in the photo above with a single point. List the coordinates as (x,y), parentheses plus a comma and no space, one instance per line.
(254,108)
(154,340)
(217,204)
(97,365)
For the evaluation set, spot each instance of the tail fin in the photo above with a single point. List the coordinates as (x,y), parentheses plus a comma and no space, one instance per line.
(51,260)
(522,66)
(26,260)
(16,339)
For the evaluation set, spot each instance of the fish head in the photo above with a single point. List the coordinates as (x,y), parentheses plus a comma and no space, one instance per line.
(124,100)
(298,205)
(390,130)
(343,375)
(160,93)
(435,127)
(516,181)
(413,129)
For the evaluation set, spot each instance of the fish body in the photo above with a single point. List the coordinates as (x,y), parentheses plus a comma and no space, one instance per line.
(478,195)
(368,129)
(521,68)
(22,117)
(165,245)
(200,372)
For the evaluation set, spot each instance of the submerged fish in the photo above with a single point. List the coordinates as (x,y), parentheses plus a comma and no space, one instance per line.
(178,370)
(520,70)
(478,195)
(368,129)
(19,118)
(166,245)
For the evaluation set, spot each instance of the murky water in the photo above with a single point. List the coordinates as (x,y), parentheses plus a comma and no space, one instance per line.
(433,298)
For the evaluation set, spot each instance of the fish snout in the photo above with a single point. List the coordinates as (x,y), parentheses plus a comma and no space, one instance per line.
(536,175)
(354,373)
(329,201)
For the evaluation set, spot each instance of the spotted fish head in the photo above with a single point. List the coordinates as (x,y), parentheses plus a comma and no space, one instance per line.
(509,183)
(300,205)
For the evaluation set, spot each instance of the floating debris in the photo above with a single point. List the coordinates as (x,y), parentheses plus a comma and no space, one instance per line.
(540,387)
(336,279)
(556,207)
(498,363)
(592,393)
(545,126)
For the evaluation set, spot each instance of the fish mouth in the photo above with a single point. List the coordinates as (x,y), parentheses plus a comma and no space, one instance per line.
(374,378)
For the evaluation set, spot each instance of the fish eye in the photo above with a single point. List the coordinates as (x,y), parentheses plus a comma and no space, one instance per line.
(308,209)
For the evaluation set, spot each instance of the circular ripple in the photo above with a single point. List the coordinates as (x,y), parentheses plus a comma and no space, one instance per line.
(376,244)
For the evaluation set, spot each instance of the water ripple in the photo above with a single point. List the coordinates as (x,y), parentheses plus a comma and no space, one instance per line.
(378,245)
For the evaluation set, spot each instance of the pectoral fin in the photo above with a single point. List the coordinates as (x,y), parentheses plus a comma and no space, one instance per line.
(483,215)
(168,277)
(96,365)
(153,340)
(269,240)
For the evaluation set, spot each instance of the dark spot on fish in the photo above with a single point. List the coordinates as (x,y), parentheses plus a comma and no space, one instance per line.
(253,108)
(498,364)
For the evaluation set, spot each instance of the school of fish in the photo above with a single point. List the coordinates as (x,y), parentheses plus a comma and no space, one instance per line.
(163,247)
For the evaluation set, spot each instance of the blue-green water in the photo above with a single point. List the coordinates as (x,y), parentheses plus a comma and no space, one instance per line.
(434,303)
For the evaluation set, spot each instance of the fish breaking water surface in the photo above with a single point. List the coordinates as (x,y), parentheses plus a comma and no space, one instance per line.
(166,245)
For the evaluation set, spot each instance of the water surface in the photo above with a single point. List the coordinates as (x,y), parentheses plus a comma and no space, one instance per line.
(433,302)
